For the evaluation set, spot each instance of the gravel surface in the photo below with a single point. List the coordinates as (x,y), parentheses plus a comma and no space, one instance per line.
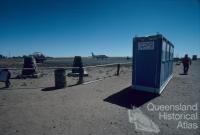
(99,108)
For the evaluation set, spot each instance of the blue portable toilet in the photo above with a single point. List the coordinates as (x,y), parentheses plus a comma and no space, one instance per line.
(152,63)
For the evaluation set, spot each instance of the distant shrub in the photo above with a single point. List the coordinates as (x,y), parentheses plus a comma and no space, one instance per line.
(2,56)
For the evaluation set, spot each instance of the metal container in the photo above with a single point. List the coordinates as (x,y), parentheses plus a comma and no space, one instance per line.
(60,78)
(194,57)
(152,63)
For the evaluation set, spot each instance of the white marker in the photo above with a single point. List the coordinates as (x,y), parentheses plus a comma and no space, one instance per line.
(141,121)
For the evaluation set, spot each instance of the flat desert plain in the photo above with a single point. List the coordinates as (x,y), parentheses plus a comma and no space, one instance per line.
(105,107)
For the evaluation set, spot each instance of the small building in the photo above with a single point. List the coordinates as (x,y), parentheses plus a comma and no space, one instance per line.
(194,57)
(29,67)
(152,63)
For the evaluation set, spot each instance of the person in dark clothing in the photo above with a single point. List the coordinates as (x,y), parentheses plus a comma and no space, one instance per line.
(5,77)
(7,82)
(8,79)
(186,62)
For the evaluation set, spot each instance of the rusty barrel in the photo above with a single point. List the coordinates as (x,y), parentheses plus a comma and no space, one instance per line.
(60,78)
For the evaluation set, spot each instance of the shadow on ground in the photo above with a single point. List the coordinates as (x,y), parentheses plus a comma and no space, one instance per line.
(72,85)
(3,88)
(183,74)
(19,88)
(128,98)
(50,89)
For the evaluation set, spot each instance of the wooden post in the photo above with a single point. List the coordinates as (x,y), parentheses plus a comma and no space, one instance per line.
(81,70)
(118,69)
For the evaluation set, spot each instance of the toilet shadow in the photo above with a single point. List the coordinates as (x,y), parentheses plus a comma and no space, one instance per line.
(129,97)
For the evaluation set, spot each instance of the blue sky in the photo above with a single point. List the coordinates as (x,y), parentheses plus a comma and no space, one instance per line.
(63,28)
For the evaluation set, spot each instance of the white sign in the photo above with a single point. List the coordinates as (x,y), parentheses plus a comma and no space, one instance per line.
(149,45)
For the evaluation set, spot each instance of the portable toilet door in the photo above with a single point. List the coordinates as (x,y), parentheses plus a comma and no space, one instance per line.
(146,58)
(152,63)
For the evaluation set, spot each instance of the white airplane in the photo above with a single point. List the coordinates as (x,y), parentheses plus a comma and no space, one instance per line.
(99,56)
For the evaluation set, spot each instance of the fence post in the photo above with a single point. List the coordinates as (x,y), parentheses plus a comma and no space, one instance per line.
(118,69)
(81,70)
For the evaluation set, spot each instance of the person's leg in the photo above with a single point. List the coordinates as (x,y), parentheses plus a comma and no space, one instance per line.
(187,68)
(7,83)
(184,69)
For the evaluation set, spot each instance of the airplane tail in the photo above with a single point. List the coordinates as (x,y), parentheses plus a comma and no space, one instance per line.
(93,55)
